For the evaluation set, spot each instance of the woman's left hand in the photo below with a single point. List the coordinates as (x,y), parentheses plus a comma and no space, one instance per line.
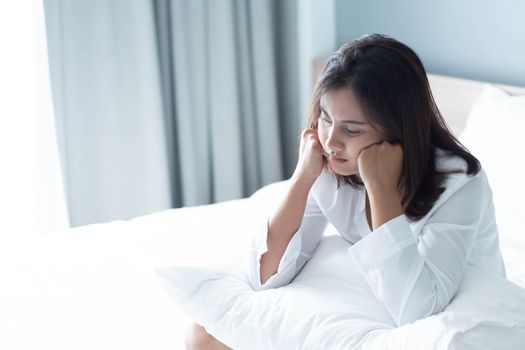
(380,166)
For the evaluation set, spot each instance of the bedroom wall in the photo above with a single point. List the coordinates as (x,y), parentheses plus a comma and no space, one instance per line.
(481,40)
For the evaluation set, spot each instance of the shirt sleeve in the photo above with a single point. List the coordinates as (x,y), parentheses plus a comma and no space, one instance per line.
(299,250)
(416,276)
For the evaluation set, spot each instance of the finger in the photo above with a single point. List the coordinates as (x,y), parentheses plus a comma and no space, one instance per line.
(308,131)
(370,146)
(313,137)
(363,151)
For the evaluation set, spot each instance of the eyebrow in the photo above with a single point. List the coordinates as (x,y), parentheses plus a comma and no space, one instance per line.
(348,121)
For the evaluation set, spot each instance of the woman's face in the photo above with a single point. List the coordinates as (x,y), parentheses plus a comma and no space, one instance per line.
(344,130)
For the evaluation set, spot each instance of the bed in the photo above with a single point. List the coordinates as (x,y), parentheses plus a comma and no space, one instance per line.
(97,286)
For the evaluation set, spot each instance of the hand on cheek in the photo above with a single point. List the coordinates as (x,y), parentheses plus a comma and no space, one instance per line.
(380,166)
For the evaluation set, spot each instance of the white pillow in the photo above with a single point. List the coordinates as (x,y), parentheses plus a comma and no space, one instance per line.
(494,133)
(330,306)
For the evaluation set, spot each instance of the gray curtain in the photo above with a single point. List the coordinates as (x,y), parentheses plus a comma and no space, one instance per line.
(163,104)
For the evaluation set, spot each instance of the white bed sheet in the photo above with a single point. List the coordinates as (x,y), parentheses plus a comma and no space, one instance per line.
(94,287)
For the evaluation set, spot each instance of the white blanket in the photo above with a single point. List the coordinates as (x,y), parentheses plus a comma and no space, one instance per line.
(94,287)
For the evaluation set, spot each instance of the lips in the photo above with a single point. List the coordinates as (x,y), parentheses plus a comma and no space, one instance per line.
(337,160)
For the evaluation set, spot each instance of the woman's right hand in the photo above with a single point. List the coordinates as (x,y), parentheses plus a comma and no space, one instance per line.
(311,158)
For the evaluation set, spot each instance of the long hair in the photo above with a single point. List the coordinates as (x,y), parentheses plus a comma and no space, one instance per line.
(391,84)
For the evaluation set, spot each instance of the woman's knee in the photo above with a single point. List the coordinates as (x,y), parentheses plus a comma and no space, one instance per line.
(195,335)
(198,339)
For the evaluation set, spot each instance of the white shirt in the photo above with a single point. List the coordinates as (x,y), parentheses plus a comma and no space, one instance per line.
(413,267)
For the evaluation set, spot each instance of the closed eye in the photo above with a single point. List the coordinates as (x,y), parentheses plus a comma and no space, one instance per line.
(352,132)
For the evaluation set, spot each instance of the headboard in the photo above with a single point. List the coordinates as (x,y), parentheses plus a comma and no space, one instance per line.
(454,96)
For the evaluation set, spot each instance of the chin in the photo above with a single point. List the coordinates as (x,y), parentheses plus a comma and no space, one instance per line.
(343,172)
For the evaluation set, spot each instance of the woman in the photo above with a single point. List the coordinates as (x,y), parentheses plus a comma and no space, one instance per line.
(379,163)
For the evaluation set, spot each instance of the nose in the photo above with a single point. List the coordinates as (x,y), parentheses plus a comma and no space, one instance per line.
(333,141)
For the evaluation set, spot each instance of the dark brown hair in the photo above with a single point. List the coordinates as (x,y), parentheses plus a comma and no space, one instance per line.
(391,84)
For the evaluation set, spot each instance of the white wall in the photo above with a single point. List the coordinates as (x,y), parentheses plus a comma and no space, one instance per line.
(474,39)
